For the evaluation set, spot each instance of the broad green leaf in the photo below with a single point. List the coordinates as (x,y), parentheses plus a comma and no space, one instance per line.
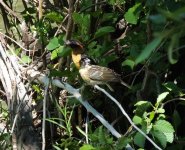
(148,50)
(63,51)
(137,120)
(128,62)
(160,137)
(161,97)
(169,137)
(53,44)
(139,140)
(132,15)
(163,126)
(103,31)
(87,147)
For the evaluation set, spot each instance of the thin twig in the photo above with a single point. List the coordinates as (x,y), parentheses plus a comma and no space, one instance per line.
(126,115)
(15,42)
(175,99)
(44,117)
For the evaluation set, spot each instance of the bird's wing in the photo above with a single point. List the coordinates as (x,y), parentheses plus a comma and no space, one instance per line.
(104,74)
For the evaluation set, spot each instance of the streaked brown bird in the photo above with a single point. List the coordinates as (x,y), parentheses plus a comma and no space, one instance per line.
(92,74)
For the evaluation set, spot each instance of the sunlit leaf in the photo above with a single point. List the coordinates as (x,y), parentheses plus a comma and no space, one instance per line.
(132,15)
(87,147)
(53,44)
(163,126)
(161,97)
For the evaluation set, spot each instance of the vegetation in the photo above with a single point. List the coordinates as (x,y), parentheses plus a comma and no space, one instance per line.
(141,40)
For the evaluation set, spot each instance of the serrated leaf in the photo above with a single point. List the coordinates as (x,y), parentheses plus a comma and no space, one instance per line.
(87,147)
(163,126)
(160,137)
(132,15)
(148,50)
(169,137)
(53,44)
(161,97)
(103,31)
(139,140)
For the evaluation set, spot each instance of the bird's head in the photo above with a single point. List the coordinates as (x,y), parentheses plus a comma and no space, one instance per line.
(77,51)
(76,46)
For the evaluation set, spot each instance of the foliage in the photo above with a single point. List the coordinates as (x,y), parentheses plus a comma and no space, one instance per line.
(141,40)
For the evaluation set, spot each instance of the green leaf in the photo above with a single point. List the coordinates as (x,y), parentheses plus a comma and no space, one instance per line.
(54,16)
(160,137)
(139,140)
(161,111)
(141,103)
(132,15)
(53,44)
(87,147)
(103,31)
(122,142)
(78,18)
(152,115)
(26,59)
(163,126)
(142,107)
(173,43)
(161,97)
(63,51)
(137,120)
(128,62)
(148,50)
(54,54)
(169,137)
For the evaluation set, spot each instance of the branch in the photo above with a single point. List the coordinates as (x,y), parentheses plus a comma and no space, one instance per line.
(126,115)
(41,78)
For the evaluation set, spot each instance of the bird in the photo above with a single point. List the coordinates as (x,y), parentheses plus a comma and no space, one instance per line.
(90,72)
(77,51)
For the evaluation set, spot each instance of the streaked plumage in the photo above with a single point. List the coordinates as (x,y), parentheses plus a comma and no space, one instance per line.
(92,74)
